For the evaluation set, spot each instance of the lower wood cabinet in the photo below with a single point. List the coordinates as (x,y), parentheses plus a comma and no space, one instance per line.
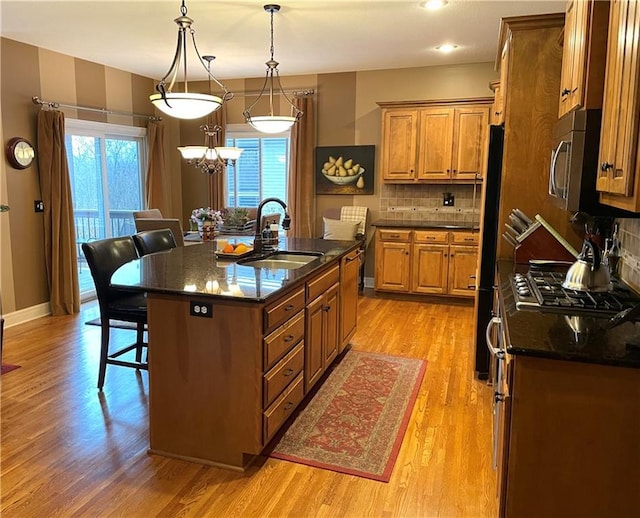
(434,262)
(349,272)
(321,316)
(568,443)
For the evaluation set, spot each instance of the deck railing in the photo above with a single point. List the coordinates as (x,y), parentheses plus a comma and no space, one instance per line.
(90,225)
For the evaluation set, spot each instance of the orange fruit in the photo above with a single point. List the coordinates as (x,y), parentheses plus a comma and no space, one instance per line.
(228,249)
(241,249)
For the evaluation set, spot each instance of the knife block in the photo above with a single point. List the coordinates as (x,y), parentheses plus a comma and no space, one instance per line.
(541,244)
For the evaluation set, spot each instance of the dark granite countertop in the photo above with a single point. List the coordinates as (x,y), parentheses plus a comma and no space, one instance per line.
(549,335)
(425,224)
(196,270)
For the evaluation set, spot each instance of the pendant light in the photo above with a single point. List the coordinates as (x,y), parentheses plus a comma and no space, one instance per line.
(210,158)
(185,105)
(272,123)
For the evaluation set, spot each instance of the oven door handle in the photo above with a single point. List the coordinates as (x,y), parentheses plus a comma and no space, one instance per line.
(495,351)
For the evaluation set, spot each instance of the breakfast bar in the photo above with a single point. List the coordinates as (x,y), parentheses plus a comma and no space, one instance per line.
(235,345)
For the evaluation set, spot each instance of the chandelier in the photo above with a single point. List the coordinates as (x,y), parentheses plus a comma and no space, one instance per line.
(185,105)
(210,158)
(272,123)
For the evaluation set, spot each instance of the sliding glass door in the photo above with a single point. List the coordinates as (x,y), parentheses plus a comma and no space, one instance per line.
(106,165)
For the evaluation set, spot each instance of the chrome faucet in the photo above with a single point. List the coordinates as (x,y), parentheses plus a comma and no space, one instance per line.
(257,240)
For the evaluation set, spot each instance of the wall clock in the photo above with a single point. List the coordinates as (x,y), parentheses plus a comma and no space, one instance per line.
(20,153)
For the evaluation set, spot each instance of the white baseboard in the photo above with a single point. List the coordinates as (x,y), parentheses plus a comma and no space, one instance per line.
(25,315)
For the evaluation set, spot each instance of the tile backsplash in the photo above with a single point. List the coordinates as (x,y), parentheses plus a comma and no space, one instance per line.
(424,202)
(629,236)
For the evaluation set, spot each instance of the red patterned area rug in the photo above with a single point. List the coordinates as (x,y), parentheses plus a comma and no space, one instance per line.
(356,421)
(8,368)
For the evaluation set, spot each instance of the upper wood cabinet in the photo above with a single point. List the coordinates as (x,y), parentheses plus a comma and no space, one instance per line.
(501,94)
(583,57)
(424,141)
(618,180)
(498,103)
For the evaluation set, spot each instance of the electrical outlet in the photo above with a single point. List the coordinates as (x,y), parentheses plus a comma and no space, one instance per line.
(200,309)
(38,206)
(448,199)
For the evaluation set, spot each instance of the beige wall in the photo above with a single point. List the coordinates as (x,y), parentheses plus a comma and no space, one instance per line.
(347,114)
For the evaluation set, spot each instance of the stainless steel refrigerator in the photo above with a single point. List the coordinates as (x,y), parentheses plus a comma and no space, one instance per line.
(488,249)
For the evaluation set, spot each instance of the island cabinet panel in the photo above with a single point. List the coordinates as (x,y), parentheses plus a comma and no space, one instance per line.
(205,380)
(349,268)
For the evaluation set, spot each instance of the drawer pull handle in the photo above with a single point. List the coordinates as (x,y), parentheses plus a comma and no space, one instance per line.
(288,406)
(469,239)
(394,236)
(288,307)
(326,308)
(288,338)
(288,373)
(357,256)
(431,238)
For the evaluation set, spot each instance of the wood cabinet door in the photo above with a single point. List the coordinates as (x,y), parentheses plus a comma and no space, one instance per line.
(463,263)
(569,52)
(392,266)
(399,143)
(471,131)
(313,353)
(618,139)
(429,268)
(435,147)
(501,97)
(331,321)
(348,297)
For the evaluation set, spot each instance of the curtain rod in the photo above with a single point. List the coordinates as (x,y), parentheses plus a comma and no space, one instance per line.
(54,104)
(302,93)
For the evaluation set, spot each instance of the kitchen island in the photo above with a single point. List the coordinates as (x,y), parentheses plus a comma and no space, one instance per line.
(567,407)
(235,348)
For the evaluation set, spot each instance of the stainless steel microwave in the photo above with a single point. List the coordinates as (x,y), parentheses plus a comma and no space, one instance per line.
(574,162)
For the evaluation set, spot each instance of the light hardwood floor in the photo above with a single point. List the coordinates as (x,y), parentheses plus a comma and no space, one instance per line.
(68,450)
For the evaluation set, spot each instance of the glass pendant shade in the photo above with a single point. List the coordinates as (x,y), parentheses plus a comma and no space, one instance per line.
(192,152)
(186,105)
(229,153)
(272,123)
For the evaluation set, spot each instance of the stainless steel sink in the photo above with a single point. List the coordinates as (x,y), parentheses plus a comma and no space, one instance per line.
(282,261)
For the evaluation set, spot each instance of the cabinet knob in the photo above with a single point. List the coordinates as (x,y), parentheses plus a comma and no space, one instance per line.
(565,91)
(326,308)
(498,397)
(448,171)
(496,113)
(605,166)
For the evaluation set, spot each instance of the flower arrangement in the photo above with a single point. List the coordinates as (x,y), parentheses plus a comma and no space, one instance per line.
(235,216)
(203,214)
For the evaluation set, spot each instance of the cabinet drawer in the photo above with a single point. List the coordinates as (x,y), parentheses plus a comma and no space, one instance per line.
(465,238)
(283,339)
(282,374)
(323,282)
(282,408)
(440,237)
(283,310)
(394,235)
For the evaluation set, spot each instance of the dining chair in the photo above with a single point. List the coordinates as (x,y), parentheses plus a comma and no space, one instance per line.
(152,241)
(149,213)
(334,220)
(158,223)
(104,257)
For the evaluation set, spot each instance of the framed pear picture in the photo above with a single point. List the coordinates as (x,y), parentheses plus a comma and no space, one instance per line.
(345,169)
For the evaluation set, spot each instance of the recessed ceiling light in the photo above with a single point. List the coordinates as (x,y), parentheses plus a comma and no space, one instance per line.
(433,4)
(446,47)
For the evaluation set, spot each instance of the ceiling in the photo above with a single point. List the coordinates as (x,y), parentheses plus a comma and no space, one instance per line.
(310,37)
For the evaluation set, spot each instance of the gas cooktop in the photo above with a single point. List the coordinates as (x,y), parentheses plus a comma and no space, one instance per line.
(543,291)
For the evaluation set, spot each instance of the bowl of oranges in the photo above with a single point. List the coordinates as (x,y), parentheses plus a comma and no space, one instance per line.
(228,250)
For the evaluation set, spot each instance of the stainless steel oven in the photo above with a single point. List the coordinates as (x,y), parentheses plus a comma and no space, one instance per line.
(497,349)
